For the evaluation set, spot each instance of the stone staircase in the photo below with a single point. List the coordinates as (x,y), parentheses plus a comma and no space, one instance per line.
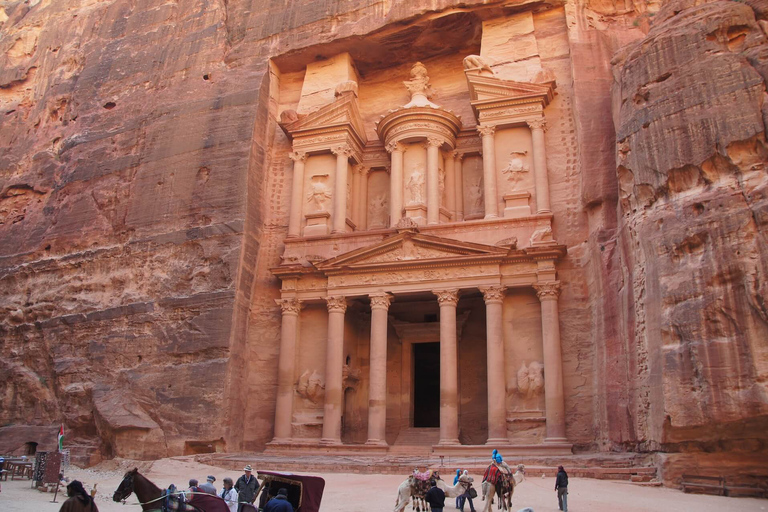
(415,441)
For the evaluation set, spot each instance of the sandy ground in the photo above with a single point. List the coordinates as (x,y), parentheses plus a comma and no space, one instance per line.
(376,493)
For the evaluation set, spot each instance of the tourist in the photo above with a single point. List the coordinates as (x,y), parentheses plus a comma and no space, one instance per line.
(229,495)
(279,503)
(79,500)
(466,480)
(455,481)
(246,487)
(435,497)
(561,487)
(208,485)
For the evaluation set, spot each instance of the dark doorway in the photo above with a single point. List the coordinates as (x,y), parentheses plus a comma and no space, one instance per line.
(426,385)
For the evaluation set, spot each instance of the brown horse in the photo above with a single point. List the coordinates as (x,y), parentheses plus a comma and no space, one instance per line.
(152,498)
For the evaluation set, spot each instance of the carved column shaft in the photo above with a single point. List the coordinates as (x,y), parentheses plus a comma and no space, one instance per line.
(449,371)
(489,171)
(459,190)
(497,410)
(450,185)
(395,183)
(540,165)
(334,364)
(340,190)
(355,196)
(433,180)
(297,193)
(377,394)
(285,368)
(362,193)
(553,361)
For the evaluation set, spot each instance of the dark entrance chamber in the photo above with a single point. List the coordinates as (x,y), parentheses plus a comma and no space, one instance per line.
(426,385)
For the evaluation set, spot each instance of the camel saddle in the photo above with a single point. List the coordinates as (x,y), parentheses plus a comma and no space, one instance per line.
(500,478)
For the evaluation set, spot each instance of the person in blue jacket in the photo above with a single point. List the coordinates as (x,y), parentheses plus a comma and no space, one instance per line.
(279,503)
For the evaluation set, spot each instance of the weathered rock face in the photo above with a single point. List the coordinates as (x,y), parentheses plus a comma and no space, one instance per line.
(690,357)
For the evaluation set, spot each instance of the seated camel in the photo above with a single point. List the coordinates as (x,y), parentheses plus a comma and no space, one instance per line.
(499,480)
(416,487)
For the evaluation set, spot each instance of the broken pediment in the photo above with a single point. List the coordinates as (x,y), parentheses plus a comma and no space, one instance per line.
(493,97)
(343,113)
(410,247)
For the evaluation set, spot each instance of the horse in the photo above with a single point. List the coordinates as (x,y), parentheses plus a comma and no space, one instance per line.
(503,485)
(413,488)
(153,499)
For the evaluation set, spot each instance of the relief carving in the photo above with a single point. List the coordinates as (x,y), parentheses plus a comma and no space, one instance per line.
(516,168)
(377,210)
(476,63)
(530,380)
(476,195)
(319,192)
(350,377)
(542,235)
(415,185)
(310,386)
(419,87)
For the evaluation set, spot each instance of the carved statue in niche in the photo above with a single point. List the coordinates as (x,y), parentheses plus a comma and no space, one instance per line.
(476,194)
(377,210)
(350,377)
(415,185)
(530,380)
(310,386)
(318,192)
(516,168)
(441,183)
(542,235)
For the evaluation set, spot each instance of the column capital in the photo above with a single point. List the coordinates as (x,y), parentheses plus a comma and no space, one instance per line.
(343,150)
(289,306)
(458,156)
(336,303)
(547,291)
(434,141)
(298,156)
(486,130)
(361,169)
(381,300)
(537,124)
(447,297)
(395,146)
(493,294)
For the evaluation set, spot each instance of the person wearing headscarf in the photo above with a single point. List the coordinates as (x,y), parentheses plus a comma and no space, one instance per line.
(455,481)
(561,487)
(79,500)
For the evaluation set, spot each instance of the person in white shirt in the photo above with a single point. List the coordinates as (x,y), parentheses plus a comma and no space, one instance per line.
(229,495)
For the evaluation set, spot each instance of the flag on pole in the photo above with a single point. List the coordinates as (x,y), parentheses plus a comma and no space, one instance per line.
(61,438)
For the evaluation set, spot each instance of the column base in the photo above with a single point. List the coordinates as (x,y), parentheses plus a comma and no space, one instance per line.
(329,441)
(491,216)
(497,441)
(540,212)
(555,440)
(448,442)
(376,442)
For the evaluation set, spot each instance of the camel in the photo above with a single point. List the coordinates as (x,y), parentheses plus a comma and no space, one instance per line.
(406,491)
(489,490)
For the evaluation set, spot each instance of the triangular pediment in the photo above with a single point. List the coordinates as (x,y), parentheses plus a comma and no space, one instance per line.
(489,88)
(408,248)
(342,112)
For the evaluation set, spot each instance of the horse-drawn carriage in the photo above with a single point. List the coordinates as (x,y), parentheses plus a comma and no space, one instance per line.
(304,492)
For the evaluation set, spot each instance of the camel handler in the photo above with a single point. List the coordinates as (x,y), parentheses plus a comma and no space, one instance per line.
(246,487)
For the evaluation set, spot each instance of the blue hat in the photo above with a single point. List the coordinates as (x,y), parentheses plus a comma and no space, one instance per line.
(458,471)
(498,458)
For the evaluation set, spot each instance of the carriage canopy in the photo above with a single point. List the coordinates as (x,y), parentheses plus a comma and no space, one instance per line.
(304,491)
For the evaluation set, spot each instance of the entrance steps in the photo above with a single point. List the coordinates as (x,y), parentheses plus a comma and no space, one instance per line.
(415,442)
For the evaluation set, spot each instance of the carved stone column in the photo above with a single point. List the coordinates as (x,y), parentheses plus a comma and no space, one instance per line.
(362,194)
(489,171)
(458,170)
(340,189)
(553,361)
(450,185)
(497,408)
(297,193)
(433,180)
(355,196)
(396,151)
(538,126)
(285,368)
(334,364)
(377,394)
(449,371)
